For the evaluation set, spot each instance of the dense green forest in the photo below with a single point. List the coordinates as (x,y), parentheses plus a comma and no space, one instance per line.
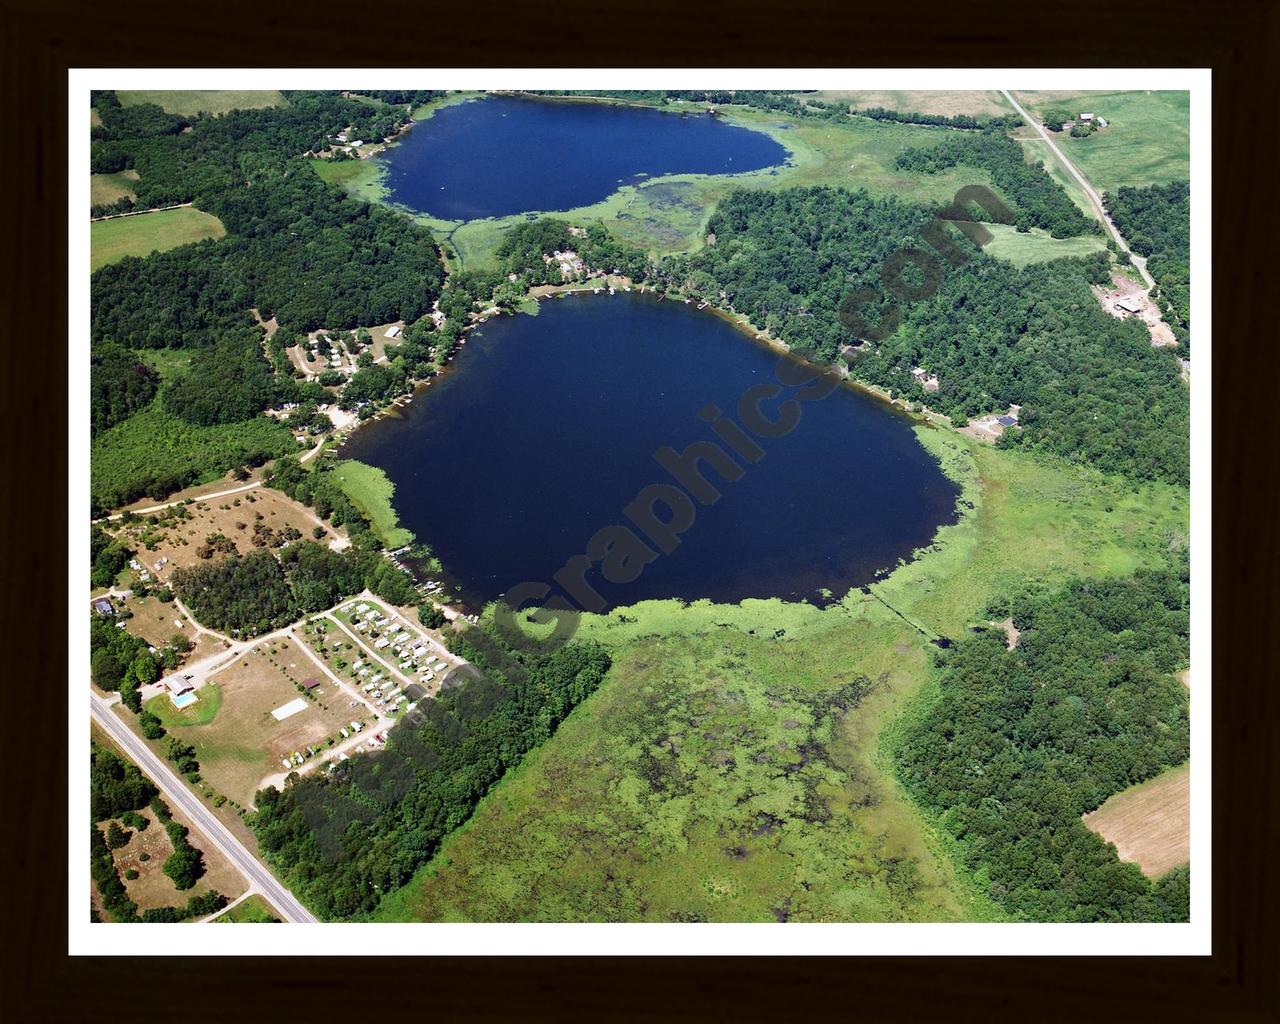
(1092,387)
(120,384)
(341,841)
(1018,744)
(1156,222)
(250,594)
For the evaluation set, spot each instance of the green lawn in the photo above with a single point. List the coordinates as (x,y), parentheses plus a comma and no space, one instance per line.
(1147,141)
(168,362)
(107,188)
(252,910)
(142,234)
(1037,246)
(193,101)
(202,712)
(713,775)
(371,491)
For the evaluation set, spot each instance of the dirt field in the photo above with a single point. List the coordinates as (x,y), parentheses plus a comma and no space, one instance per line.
(1124,288)
(152,887)
(244,743)
(1149,824)
(235,516)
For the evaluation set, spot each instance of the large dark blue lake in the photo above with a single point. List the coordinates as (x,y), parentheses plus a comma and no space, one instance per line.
(545,427)
(501,155)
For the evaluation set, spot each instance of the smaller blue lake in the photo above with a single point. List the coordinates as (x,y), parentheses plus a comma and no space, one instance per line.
(502,155)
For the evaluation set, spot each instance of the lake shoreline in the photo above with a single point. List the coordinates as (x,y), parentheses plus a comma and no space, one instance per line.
(357,445)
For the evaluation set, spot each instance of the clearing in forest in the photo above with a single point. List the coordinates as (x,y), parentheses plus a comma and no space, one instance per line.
(1150,824)
(141,234)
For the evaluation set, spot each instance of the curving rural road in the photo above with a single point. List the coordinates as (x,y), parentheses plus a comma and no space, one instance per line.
(260,878)
(1094,199)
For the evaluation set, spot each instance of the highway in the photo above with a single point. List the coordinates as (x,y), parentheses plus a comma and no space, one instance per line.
(180,797)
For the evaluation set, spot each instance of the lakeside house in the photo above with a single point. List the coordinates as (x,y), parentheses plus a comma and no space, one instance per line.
(927,380)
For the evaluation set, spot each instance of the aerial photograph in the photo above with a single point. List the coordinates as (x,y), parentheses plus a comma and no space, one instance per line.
(650,505)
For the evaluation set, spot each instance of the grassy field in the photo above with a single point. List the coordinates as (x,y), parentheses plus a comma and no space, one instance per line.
(371,491)
(153,443)
(1037,246)
(1150,824)
(714,774)
(107,188)
(142,234)
(1147,141)
(254,910)
(194,101)
(670,214)
(977,102)
(243,744)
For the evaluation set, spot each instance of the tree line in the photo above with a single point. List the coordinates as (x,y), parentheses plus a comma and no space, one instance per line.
(1018,744)
(1041,201)
(344,840)
(801,104)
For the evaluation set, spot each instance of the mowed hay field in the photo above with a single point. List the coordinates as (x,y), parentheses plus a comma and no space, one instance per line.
(178,533)
(1148,139)
(1037,246)
(107,188)
(975,102)
(1150,824)
(243,743)
(195,101)
(144,233)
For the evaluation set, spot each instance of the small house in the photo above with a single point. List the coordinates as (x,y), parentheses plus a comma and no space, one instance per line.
(393,331)
(1006,421)
(1128,306)
(310,684)
(104,607)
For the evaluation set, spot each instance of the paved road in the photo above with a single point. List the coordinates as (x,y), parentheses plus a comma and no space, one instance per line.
(176,792)
(1089,190)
